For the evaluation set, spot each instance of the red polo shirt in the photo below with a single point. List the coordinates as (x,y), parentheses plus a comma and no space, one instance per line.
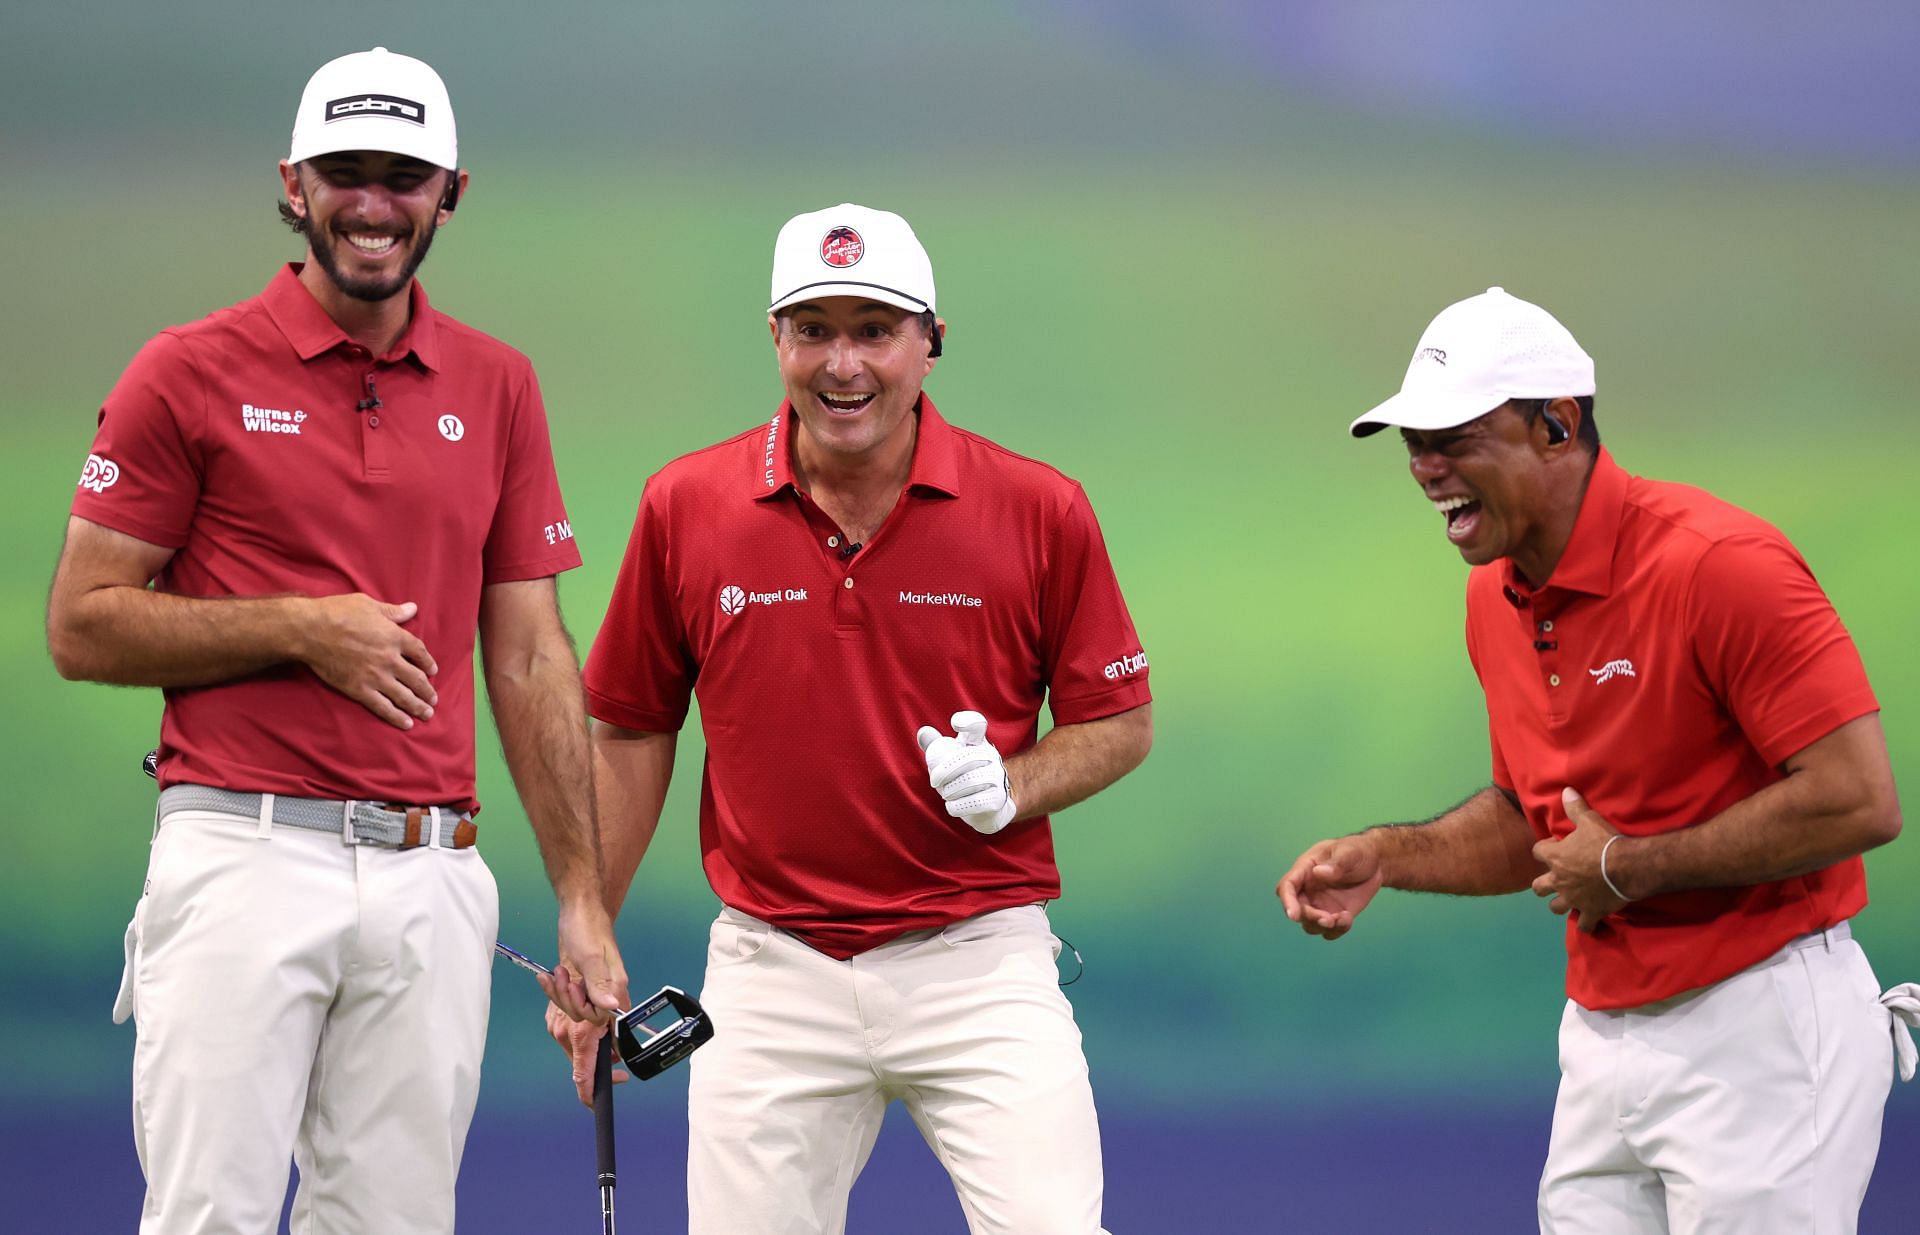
(1680,652)
(239,442)
(988,587)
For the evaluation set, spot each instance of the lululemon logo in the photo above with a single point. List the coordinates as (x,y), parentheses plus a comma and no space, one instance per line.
(732,600)
(451,428)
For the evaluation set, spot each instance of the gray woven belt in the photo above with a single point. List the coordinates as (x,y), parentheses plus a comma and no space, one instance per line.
(355,822)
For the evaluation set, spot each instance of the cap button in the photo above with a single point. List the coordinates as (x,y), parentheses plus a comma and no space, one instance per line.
(1501,290)
(382,51)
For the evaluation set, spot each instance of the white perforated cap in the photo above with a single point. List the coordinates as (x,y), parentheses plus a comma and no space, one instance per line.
(1475,356)
(376,100)
(850,250)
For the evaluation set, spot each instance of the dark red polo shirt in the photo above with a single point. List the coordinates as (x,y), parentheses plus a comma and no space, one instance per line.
(238,442)
(988,587)
(1680,652)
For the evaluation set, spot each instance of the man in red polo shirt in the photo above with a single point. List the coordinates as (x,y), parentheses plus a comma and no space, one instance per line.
(1688,761)
(828,583)
(330,487)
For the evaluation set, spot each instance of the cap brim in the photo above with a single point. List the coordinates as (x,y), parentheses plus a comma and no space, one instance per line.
(1427,410)
(840,287)
(378,135)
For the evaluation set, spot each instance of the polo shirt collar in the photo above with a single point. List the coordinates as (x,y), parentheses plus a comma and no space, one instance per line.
(1587,564)
(936,454)
(312,333)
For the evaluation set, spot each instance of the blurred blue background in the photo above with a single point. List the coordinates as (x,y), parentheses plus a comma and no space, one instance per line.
(1179,246)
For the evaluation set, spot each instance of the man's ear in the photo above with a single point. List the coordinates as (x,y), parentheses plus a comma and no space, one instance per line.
(290,185)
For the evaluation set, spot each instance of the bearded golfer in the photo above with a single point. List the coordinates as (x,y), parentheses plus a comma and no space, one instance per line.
(1687,763)
(297,514)
(872,606)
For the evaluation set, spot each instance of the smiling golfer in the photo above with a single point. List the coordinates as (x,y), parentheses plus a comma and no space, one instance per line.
(1687,760)
(833,584)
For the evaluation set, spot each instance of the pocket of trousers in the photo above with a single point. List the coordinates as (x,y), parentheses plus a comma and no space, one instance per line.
(731,941)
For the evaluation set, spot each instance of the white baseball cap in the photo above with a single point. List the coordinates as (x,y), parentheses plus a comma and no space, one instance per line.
(1475,356)
(850,250)
(376,100)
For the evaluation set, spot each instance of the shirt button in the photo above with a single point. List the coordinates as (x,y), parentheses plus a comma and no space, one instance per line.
(1546,626)
(1554,680)
(847,582)
(833,542)
(373,422)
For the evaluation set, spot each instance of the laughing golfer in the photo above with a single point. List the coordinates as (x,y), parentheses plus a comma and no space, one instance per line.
(1687,761)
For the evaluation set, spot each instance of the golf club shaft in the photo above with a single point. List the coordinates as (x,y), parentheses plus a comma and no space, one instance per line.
(603,1127)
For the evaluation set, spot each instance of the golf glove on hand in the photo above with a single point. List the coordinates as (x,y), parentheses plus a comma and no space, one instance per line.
(968,774)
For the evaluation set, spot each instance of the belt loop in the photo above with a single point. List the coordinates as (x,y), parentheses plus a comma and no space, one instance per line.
(1826,939)
(346,823)
(266,817)
(434,811)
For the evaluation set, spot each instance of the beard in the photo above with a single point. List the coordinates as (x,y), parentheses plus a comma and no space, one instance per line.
(374,287)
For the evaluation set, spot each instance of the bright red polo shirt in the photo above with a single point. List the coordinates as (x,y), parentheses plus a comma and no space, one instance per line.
(988,587)
(238,442)
(1680,652)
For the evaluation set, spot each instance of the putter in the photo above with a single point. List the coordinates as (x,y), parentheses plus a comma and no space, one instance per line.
(645,1052)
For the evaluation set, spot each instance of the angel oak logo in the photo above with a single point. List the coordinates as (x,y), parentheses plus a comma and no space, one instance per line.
(391,106)
(735,600)
(1612,669)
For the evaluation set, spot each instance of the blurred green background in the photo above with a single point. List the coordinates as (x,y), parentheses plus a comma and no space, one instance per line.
(1178,246)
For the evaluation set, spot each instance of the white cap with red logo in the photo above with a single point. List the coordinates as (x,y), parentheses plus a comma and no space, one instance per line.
(1475,356)
(376,100)
(850,250)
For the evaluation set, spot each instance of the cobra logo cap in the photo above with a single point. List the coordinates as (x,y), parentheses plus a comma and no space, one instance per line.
(1475,356)
(851,250)
(376,100)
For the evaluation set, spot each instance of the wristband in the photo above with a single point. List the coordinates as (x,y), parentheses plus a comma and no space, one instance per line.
(1603,867)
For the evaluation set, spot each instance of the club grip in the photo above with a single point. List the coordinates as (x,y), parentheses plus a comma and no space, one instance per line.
(603,1107)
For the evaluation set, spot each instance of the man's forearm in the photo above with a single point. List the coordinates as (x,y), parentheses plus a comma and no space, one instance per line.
(134,636)
(631,772)
(543,733)
(1482,847)
(1074,762)
(1837,800)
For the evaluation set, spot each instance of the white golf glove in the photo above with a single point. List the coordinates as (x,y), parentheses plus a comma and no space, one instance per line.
(968,774)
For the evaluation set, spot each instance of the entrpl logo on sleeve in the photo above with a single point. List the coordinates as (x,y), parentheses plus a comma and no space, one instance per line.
(1126,666)
(842,247)
(99,473)
(391,106)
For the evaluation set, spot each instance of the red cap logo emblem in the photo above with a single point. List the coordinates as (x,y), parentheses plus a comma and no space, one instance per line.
(842,247)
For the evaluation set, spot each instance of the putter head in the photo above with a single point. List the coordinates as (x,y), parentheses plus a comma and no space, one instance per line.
(648,1053)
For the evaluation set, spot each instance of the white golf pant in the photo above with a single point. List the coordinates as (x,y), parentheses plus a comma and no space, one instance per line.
(1749,1107)
(299,998)
(966,1026)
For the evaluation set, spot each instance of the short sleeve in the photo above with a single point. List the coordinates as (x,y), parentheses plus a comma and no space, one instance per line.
(1092,659)
(143,476)
(1769,643)
(530,537)
(640,672)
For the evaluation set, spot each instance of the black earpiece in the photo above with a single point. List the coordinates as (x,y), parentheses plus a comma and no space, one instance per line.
(452,198)
(1556,432)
